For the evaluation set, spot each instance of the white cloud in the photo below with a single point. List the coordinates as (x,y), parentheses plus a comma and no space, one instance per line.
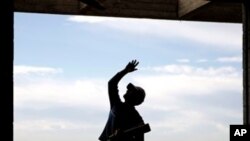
(167,88)
(77,93)
(196,71)
(169,84)
(202,61)
(90,19)
(225,36)
(53,125)
(183,60)
(236,59)
(184,121)
(21,69)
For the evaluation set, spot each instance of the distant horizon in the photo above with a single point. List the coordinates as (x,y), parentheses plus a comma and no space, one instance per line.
(191,72)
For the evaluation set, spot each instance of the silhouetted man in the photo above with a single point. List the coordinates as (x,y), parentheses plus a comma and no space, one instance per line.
(123,115)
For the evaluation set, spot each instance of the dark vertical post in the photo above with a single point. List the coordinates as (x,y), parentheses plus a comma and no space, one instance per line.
(246,61)
(6,75)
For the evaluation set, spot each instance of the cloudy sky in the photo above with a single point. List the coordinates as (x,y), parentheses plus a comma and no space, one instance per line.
(191,72)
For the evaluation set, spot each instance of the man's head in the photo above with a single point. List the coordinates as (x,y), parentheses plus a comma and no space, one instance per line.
(135,95)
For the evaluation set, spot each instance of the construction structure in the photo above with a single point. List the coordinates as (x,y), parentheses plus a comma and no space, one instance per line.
(225,11)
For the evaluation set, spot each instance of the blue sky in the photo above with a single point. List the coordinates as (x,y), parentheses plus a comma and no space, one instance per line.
(191,72)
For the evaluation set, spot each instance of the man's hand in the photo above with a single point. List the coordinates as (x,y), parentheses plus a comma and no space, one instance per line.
(117,135)
(131,66)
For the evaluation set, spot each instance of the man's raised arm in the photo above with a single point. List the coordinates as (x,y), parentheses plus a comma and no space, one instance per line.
(113,82)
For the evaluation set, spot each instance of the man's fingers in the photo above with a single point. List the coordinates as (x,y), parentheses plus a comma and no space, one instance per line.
(136,63)
(132,65)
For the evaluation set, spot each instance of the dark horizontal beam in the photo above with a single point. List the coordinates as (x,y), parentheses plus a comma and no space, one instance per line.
(155,9)
(231,1)
(193,10)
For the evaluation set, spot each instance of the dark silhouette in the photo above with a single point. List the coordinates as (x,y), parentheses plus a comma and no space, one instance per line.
(124,122)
